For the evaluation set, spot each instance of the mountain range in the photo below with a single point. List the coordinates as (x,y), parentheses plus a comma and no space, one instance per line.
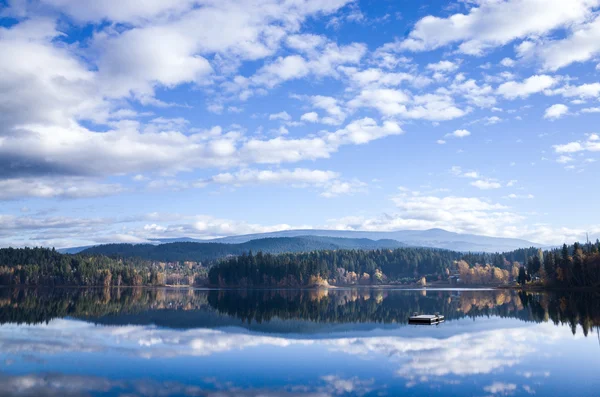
(304,240)
(206,251)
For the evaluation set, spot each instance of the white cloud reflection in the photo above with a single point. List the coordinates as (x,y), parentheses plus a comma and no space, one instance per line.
(421,357)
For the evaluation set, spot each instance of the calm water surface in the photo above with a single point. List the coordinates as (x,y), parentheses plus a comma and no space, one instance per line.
(160,342)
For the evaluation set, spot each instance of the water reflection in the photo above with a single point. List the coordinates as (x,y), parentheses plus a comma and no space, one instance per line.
(311,343)
(169,307)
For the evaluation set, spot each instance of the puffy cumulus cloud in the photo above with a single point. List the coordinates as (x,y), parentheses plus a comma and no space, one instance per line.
(486,184)
(323,62)
(168,44)
(459,134)
(130,11)
(529,86)
(393,102)
(280,116)
(556,111)
(75,150)
(480,95)
(591,144)
(513,196)
(329,181)
(591,110)
(311,117)
(584,91)
(339,188)
(443,66)
(495,23)
(49,88)
(136,61)
(376,77)
(332,107)
(453,213)
(507,62)
(462,215)
(279,150)
(42,82)
(581,44)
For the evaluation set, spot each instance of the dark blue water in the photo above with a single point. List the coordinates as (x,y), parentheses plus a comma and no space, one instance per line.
(297,343)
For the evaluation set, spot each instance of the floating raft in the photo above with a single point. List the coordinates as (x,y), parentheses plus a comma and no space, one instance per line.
(426,319)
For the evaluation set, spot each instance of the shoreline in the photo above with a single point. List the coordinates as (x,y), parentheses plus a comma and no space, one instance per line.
(433,287)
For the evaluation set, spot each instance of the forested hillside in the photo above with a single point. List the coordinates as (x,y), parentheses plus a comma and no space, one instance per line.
(201,252)
(339,267)
(573,266)
(42,266)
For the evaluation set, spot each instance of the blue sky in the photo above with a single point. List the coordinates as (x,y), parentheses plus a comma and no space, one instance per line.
(130,120)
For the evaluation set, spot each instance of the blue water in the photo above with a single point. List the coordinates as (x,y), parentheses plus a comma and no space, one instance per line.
(339,343)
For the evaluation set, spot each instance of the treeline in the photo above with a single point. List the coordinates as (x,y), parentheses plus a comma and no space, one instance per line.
(333,267)
(42,266)
(572,266)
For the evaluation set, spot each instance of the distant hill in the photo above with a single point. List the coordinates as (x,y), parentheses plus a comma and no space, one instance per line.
(434,238)
(206,251)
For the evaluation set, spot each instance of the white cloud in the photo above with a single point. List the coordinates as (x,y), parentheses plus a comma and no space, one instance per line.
(564,159)
(496,23)
(280,116)
(441,142)
(321,63)
(486,184)
(507,62)
(501,388)
(443,66)
(338,188)
(75,150)
(458,214)
(392,102)
(571,147)
(311,117)
(529,86)
(459,134)
(67,188)
(296,176)
(375,77)
(592,144)
(584,91)
(556,111)
(479,95)
(581,44)
(388,101)
(514,196)
(335,114)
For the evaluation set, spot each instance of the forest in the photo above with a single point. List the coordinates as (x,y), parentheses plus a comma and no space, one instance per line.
(575,266)
(572,266)
(331,267)
(42,266)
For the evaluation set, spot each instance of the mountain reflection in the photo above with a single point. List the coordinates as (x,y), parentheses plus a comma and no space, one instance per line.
(192,308)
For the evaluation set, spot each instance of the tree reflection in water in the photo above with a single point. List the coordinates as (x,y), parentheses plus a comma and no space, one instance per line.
(179,308)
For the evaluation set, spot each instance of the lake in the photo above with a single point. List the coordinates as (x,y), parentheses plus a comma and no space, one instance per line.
(342,342)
